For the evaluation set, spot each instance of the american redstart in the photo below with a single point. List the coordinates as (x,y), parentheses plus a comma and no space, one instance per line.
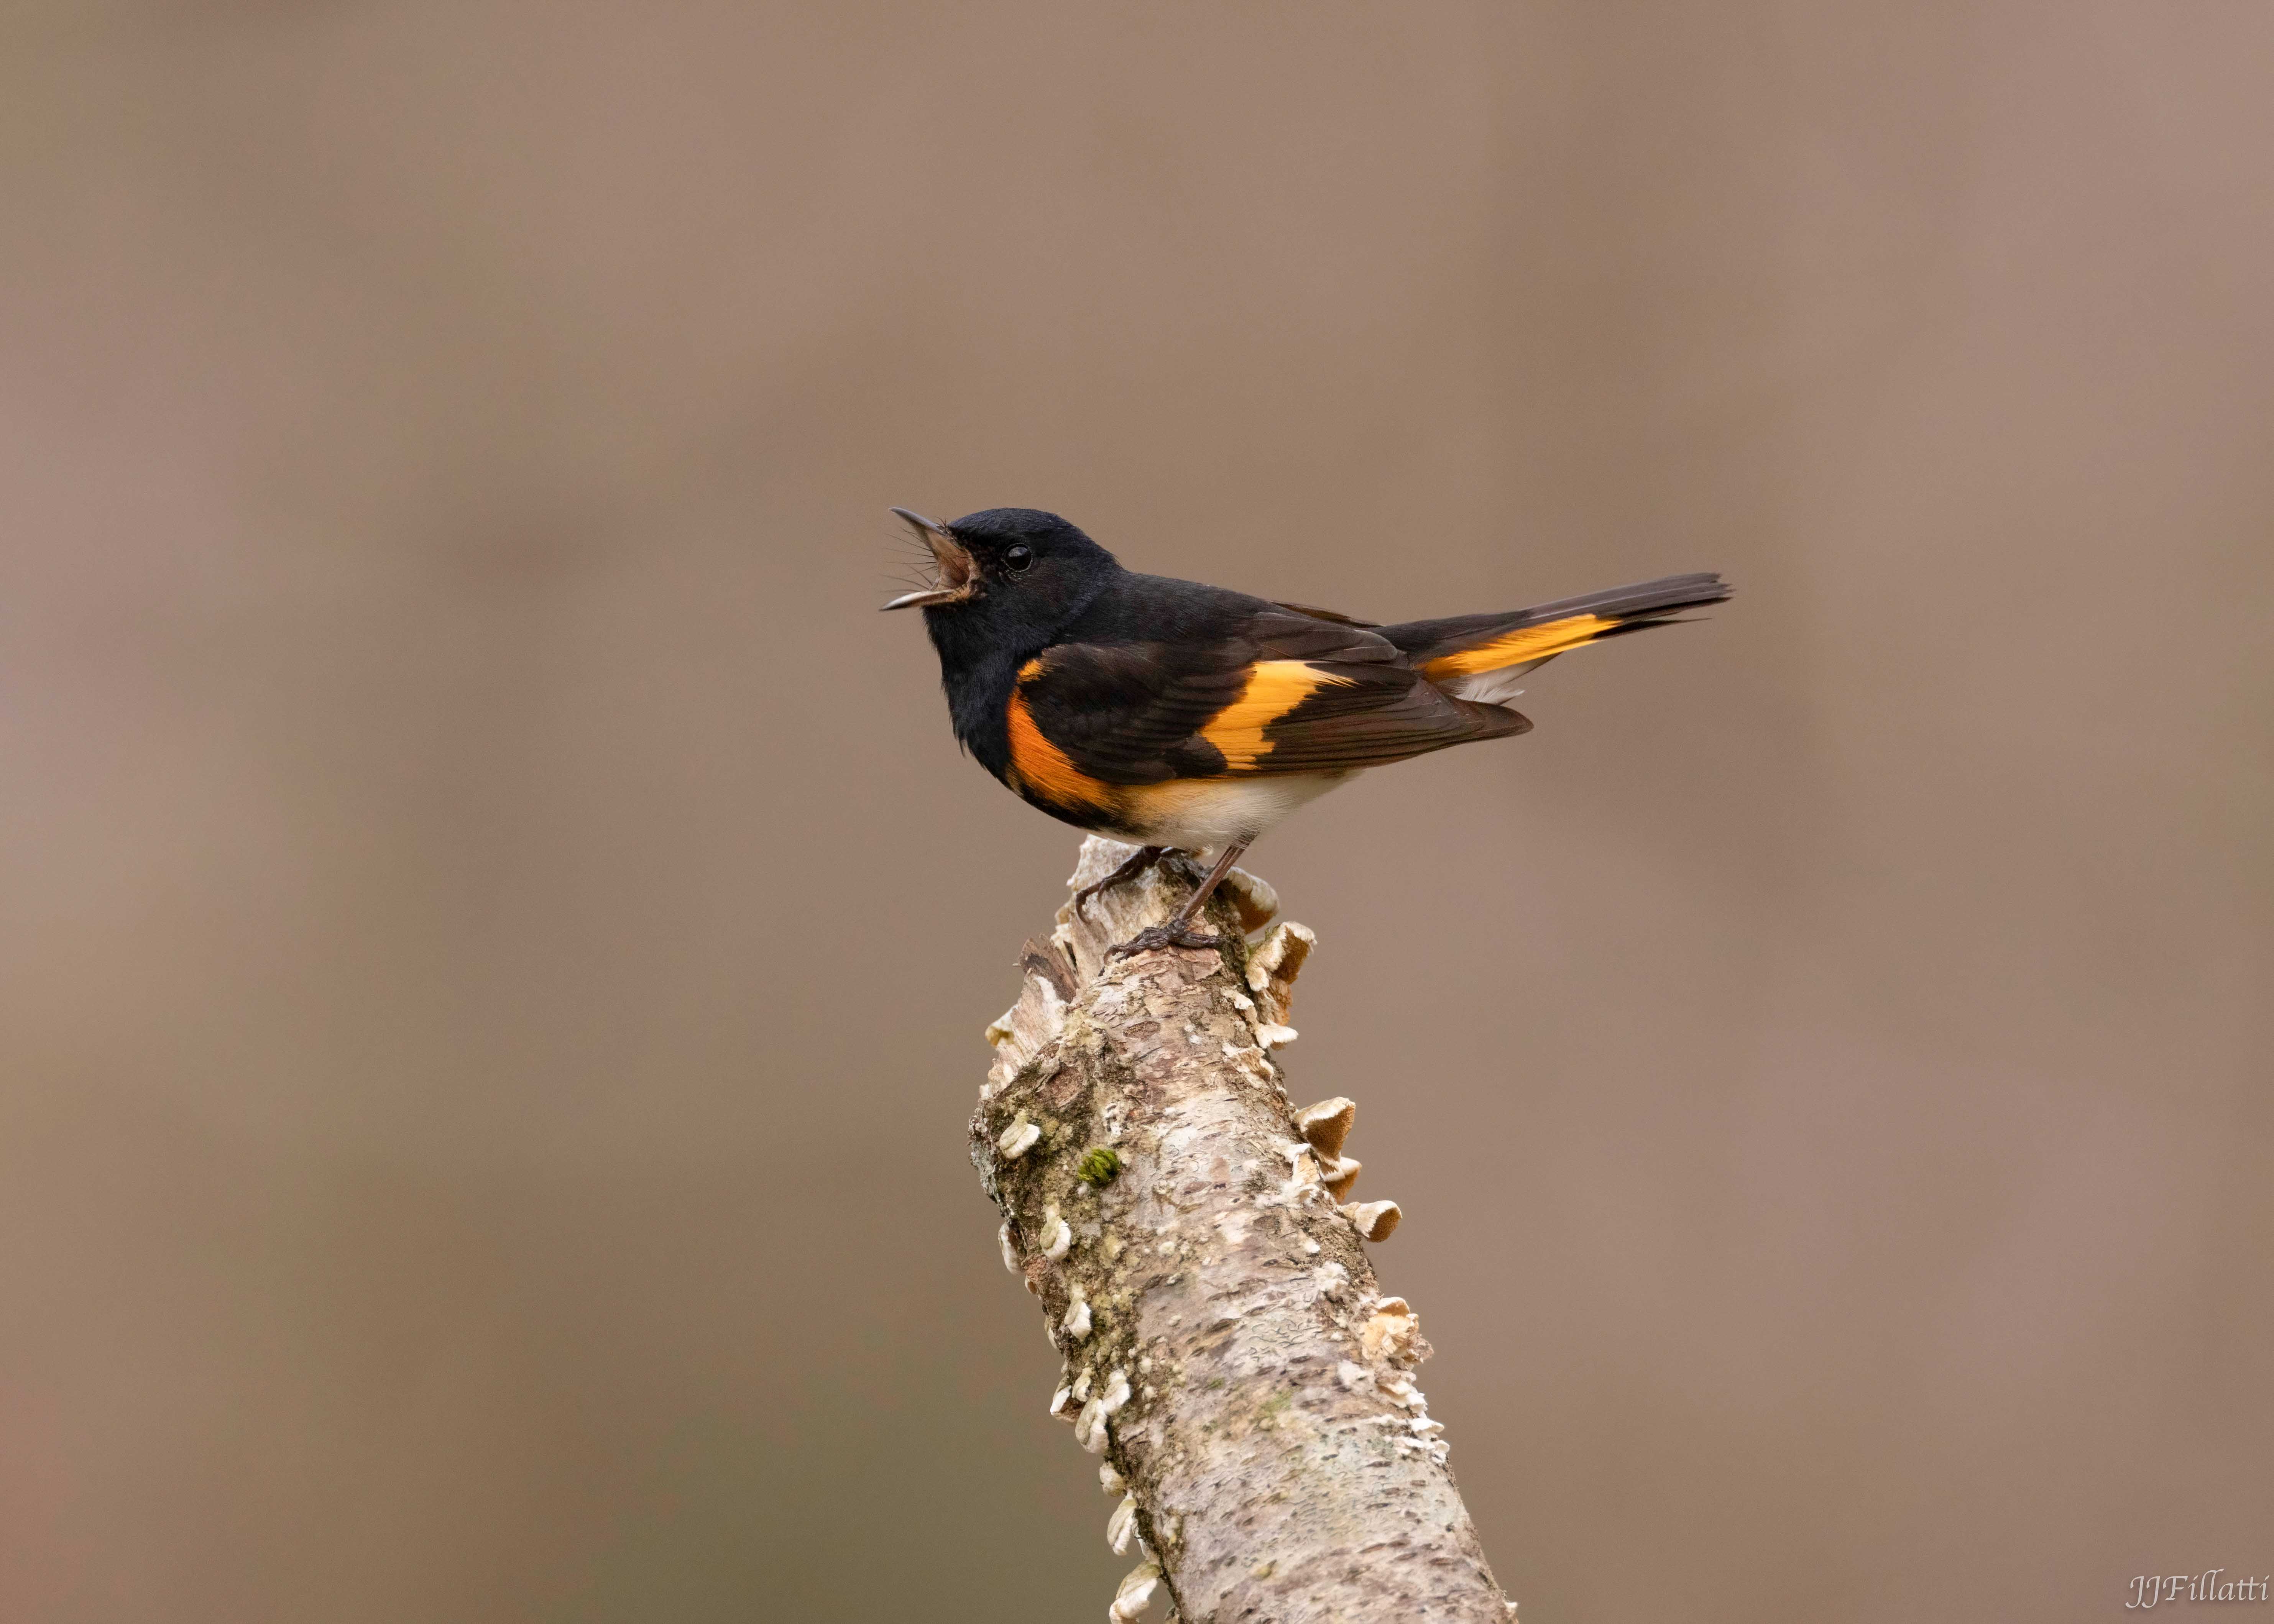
(1186,716)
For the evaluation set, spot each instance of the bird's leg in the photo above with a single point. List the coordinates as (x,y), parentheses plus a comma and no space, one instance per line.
(1178,932)
(1145,857)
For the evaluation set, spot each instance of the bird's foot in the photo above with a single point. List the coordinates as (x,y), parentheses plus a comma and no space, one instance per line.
(1145,857)
(1176,933)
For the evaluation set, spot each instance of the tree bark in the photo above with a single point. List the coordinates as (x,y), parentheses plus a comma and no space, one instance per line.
(1227,1351)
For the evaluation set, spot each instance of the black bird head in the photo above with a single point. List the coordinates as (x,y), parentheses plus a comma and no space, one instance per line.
(1009,577)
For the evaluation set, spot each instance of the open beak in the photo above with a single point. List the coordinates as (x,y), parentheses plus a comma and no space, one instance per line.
(959,576)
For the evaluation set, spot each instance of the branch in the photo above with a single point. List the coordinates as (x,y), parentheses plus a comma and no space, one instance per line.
(1226,1349)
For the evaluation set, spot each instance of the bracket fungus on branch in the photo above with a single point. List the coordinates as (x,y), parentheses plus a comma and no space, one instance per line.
(1226,1348)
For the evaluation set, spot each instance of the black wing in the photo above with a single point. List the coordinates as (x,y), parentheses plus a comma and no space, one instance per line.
(1288,693)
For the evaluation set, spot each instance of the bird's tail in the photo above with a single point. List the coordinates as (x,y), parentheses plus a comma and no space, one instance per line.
(1481,657)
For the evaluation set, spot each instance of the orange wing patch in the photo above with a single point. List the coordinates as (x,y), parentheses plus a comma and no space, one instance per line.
(1529,642)
(1274,687)
(1041,766)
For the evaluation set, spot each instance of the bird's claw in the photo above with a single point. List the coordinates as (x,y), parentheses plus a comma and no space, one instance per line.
(1157,936)
(1144,857)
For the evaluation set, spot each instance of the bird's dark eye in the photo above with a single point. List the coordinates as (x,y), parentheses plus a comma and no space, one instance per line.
(1017,558)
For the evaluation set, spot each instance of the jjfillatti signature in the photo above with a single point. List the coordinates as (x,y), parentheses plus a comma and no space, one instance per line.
(2149,1588)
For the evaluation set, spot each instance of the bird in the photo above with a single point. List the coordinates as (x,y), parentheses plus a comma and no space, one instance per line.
(1182,717)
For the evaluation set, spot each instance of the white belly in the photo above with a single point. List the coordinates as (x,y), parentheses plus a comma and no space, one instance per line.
(1206,815)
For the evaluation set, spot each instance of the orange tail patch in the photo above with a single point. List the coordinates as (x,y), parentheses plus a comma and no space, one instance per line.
(1516,647)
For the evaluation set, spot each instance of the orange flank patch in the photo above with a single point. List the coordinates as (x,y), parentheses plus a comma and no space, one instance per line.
(1274,687)
(1041,766)
(1529,642)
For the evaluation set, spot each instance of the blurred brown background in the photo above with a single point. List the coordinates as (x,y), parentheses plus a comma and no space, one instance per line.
(497,931)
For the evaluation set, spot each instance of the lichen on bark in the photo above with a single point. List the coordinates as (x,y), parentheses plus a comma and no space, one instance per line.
(1227,1349)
